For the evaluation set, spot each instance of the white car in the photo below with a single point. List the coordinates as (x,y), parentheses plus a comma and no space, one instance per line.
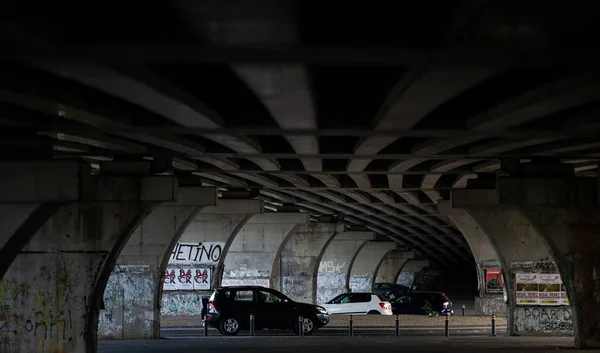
(358,304)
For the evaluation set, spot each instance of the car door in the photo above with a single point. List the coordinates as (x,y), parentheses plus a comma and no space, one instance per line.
(402,305)
(360,303)
(339,305)
(272,310)
(419,300)
(242,305)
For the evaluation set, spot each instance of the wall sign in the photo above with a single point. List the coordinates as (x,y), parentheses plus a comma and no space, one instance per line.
(493,281)
(187,278)
(540,289)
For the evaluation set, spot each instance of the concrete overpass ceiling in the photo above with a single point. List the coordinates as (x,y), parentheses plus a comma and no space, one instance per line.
(386,183)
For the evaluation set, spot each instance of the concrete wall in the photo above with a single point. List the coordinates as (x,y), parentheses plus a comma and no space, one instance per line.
(297,265)
(389,269)
(410,271)
(365,265)
(335,262)
(46,293)
(249,258)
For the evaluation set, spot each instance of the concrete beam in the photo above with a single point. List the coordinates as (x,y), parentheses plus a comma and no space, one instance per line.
(295,270)
(360,278)
(337,258)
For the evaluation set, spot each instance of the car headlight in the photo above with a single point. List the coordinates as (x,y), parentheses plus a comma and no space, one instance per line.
(322,310)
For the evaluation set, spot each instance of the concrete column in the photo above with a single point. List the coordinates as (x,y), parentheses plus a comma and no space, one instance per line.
(389,267)
(131,298)
(250,255)
(336,260)
(364,268)
(491,300)
(51,293)
(410,271)
(297,265)
(201,246)
(564,211)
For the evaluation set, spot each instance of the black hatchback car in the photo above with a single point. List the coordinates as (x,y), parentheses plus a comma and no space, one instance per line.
(422,303)
(229,310)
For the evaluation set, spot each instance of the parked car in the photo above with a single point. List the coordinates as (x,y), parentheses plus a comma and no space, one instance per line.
(422,303)
(229,310)
(390,290)
(359,304)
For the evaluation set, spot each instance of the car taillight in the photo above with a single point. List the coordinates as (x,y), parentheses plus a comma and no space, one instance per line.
(445,304)
(211,308)
(382,305)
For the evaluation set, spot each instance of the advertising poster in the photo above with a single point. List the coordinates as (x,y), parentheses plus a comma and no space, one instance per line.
(493,281)
(187,278)
(550,289)
(527,288)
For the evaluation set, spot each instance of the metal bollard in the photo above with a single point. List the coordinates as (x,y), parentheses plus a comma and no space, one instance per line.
(493,325)
(251,324)
(463,310)
(351,333)
(397,325)
(301,326)
(447,326)
(205,326)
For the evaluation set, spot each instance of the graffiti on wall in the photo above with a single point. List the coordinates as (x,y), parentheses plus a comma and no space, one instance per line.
(406,278)
(263,282)
(128,302)
(187,278)
(544,319)
(181,304)
(297,285)
(331,267)
(44,307)
(196,253)
(330,285)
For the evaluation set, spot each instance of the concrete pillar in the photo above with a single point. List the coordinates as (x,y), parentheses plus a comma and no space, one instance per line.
(564,212)
(410,271)
(389,268)
(132,295)
(336,260)
(51,294)
(491,299)
(201,247)
(250,255)
(298,262)
(364,267)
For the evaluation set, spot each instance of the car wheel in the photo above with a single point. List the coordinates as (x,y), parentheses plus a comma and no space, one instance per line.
(229,326)
(308,325)
(374,312)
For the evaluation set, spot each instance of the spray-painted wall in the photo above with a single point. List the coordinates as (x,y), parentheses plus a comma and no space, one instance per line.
(410,271)
(182,304)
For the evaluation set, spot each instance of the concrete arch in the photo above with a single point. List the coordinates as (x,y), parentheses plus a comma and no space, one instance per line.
(210,229)
(19,224)
(390,265)
(295,268)
(250,256)
(336,261)
(132,293)
(485,255)
(364,267)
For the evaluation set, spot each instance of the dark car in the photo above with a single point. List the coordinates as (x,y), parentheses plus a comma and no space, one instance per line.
(390,290)
(422,303)
(229,310)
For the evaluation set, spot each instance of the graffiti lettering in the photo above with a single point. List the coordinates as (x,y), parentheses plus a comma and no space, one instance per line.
(331,267)
(535,319)
(196,253)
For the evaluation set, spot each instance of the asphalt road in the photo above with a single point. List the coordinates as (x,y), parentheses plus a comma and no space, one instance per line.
(285,344)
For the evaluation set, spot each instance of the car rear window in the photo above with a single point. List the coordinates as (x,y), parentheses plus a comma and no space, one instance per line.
(243,296)
(381,297)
